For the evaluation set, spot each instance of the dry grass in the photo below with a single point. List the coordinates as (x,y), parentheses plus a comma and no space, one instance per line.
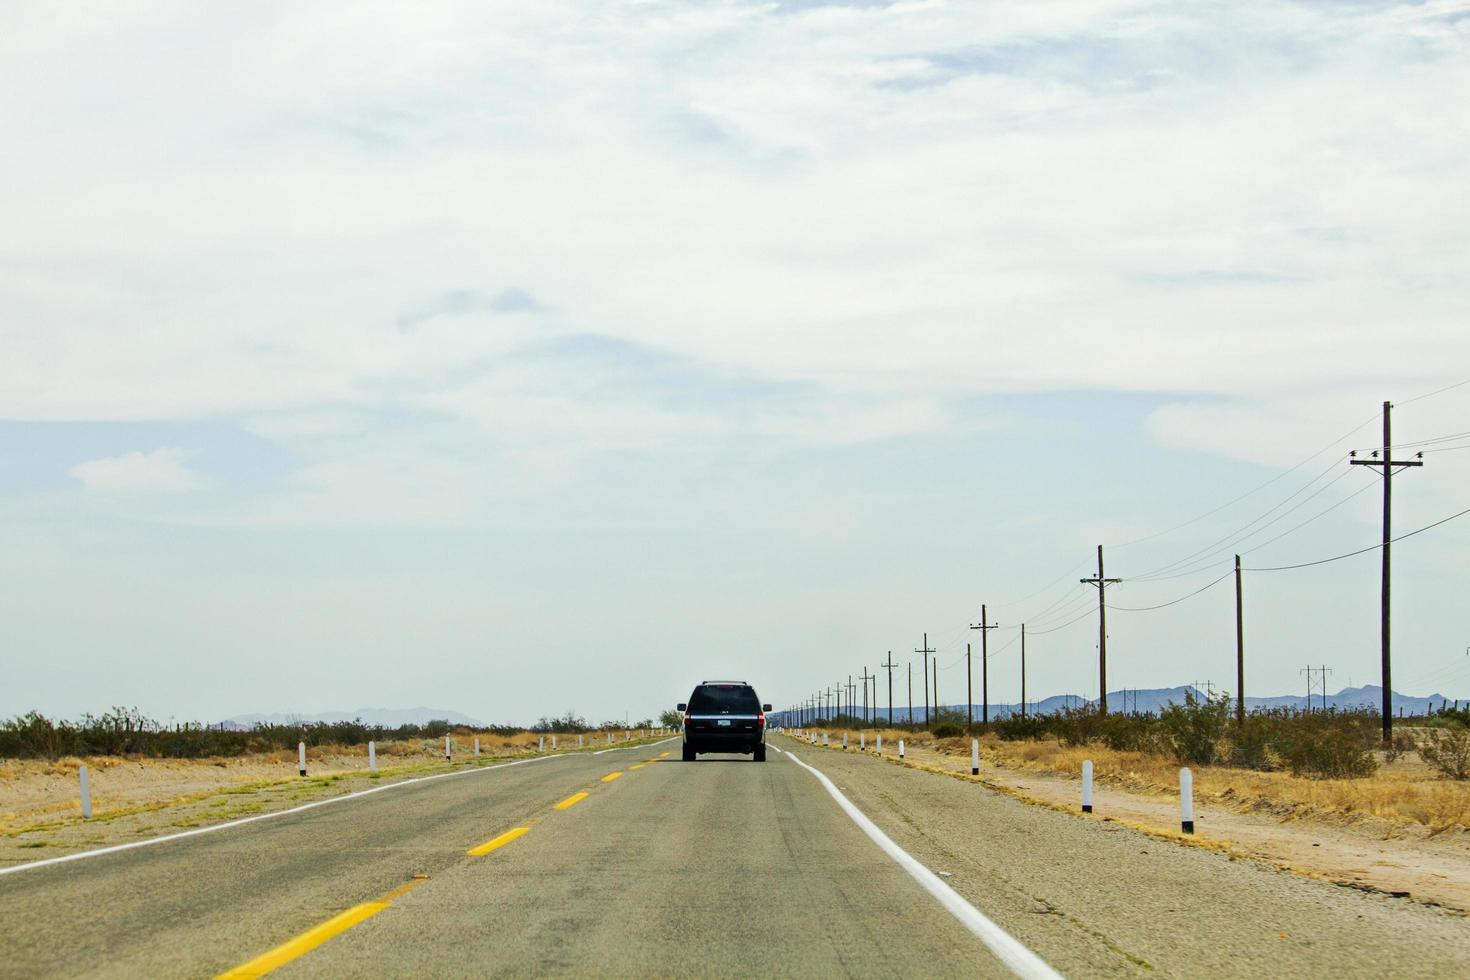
(1404,792)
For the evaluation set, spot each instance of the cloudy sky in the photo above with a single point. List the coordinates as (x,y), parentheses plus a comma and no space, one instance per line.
(518,358)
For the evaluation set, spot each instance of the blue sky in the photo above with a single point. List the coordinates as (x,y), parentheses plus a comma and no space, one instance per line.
(516,359)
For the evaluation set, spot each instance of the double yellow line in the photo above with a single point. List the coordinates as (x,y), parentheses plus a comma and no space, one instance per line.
(340,923)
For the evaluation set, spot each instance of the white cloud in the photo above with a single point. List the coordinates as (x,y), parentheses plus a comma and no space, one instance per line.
(888,204)
(157,472)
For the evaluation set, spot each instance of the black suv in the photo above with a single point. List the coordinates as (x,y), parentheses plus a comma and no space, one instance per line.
(724,716)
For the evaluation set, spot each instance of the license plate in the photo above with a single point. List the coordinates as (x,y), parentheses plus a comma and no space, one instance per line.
(723,723)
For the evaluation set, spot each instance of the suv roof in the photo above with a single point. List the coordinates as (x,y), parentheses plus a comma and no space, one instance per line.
(745,683)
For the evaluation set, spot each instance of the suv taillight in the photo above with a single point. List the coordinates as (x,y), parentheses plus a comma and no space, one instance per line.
(760,719)
(686,719)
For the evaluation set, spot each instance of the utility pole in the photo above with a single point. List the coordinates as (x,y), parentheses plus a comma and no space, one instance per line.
(1102,630)
(1023,670)
(1322,672)
(1239,649)
(969,693)
(936,689)
(926,651)
(890,665)
(910,718)
(1308,671)
(850,709)
(1387,463)
(868,705)
(984,626)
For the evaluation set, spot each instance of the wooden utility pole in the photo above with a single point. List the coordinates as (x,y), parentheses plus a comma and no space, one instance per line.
(867,704)
(851,710)
(910,718)
(936,689)
(969,692)
(1102,630)
(1387,462)
(1239,649)
(925,651)
(890,665)
(1023,670)
(984,626)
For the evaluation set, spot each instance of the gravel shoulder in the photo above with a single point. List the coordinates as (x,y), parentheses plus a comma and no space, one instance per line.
(1367,854)
(1068,887)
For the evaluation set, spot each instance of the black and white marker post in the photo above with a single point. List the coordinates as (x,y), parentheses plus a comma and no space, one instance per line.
(974,757)
(1087,786)
(301,756)
(900,748)
(1186,800)
(446,746)
(372,757)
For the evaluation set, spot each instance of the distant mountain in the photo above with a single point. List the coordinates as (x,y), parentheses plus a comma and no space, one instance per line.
(1154,700)
(386,717)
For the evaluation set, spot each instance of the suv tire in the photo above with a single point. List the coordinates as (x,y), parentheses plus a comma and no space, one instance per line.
(759,754)
(688,754)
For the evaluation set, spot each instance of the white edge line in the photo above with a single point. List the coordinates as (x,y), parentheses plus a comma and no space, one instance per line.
(277,813)
(1006,947)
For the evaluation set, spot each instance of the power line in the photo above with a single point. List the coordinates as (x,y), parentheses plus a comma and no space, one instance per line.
(1361,551)
(1431,394)
(1054,629)
(1279,476)
(1174,601)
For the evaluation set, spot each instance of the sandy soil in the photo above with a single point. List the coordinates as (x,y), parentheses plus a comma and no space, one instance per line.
(1369,854)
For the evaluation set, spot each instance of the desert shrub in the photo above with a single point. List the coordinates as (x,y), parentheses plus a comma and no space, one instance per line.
(947,729)
(1019,728)
(1327,744)
(1250,743)
(1399,745)
(1448,751)
(126,731)
(572,722)
(1192,731)
(1079,726)
(1131,732)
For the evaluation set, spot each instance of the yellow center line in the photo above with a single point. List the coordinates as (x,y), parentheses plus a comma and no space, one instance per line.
(611,776)
(638,765)
(315,936)
(663,755)
(571,801)
(497,842)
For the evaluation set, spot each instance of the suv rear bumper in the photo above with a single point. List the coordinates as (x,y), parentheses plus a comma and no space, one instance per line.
(742,742)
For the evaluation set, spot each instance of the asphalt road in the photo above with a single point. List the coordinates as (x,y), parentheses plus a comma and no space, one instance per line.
(722,867)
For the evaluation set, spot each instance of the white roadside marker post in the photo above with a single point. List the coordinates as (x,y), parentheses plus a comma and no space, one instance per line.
(609,738)
(879,749)
(862,741)
(826,739)
(1186,800)
(553,743)
(579,741)
(301,756)
(974,757)
(540,743)
(1087,786)
(446,746)
(86,794)
(844,741)
(900,748)
(372,757)
(477,745)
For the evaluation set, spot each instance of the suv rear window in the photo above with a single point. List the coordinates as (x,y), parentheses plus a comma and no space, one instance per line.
(715,699)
